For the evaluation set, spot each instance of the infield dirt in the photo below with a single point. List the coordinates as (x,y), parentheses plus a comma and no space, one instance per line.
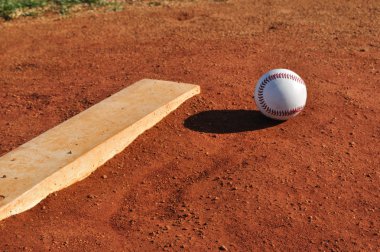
(214,174)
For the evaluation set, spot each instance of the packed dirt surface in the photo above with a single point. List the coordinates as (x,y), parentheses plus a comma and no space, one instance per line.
(215,174)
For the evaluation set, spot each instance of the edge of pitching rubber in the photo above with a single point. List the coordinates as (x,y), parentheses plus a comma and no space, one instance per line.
(87,162)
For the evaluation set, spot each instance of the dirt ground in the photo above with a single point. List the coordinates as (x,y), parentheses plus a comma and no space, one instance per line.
(214,174)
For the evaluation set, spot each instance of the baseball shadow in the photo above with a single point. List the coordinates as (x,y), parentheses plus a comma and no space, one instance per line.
(229,121)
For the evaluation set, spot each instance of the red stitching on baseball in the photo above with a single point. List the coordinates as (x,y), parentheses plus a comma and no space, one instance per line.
(262,102)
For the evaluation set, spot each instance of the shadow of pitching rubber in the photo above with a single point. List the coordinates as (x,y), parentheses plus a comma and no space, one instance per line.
(229,121)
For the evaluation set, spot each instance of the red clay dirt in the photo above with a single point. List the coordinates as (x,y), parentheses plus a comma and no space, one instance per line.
(214,174)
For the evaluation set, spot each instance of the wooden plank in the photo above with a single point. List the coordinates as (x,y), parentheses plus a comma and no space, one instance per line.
(72,150)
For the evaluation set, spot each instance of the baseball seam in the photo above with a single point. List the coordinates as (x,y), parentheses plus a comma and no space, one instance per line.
(260,94)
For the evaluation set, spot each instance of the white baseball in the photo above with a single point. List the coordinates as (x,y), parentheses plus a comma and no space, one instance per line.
(280,94)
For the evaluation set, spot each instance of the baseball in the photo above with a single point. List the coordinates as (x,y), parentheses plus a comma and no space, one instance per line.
(280,94)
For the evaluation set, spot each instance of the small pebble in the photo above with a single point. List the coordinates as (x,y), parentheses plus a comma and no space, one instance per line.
(167,228)
(223,248)
(104,177)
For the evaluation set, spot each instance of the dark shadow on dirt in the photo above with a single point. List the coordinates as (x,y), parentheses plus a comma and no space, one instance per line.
(229,121)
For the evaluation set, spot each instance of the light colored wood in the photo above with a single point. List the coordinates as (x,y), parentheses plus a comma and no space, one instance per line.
(72,150)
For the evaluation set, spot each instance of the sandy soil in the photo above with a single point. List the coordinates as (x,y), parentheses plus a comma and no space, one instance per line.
(214,174)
